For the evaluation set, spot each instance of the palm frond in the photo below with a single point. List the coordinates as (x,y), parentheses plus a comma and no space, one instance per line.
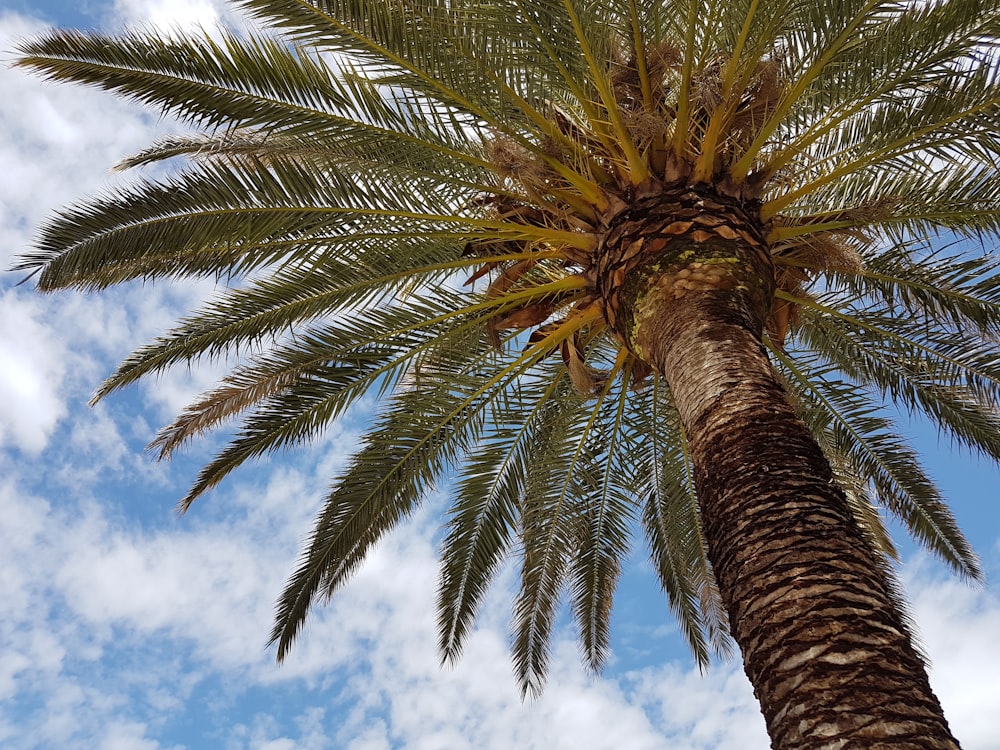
(603,523)
(878,455)
(548,529)
(266,310)
(490,492)
(672,525)
(400,461)
(968,414)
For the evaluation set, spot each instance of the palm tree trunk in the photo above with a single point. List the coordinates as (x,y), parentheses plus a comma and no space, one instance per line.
(810,604)
(823,642)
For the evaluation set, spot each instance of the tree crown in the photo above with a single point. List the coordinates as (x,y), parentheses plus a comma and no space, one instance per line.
(410,199)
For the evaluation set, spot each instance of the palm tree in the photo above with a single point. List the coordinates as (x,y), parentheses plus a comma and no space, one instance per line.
(609,266)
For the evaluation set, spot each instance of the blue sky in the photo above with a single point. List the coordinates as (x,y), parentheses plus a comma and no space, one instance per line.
(125,627)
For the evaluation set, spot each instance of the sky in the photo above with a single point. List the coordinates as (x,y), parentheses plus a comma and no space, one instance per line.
(124,626)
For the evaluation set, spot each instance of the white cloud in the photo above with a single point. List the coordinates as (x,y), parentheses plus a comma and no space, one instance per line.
(59,142)
(167,16)
(58,147)
(56,350)
(128,735)
(959,624)
(374,736)
(192,601)
(34,365)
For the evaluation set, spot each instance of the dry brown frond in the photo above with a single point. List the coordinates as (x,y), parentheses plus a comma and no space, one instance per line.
(661,60)
(759,99)
(706,86)
(823,252)
(586,380)
(644,126)
(857,216)
(515,161)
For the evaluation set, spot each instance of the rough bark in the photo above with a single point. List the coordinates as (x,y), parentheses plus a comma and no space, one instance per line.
(809,602)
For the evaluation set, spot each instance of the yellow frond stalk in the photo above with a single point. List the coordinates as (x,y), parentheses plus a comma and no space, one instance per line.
(638,170)
(722,117)
(638,42)
(681,124)
(795,91)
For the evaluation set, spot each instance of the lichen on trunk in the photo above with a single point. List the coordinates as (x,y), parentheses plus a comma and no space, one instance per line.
(679,249)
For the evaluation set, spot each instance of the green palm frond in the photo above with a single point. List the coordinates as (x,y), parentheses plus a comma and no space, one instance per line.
(880,457)
(604,522)
(402,458)
(673,526)
(296,399)
(245,81)
(965,409)
(244,217)
(548,533)
(248,318)
(490,491)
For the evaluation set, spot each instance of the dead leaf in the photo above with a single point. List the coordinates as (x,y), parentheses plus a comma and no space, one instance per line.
(777,324)
(509,277)
(585,379)
(525,317)
(480,272)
